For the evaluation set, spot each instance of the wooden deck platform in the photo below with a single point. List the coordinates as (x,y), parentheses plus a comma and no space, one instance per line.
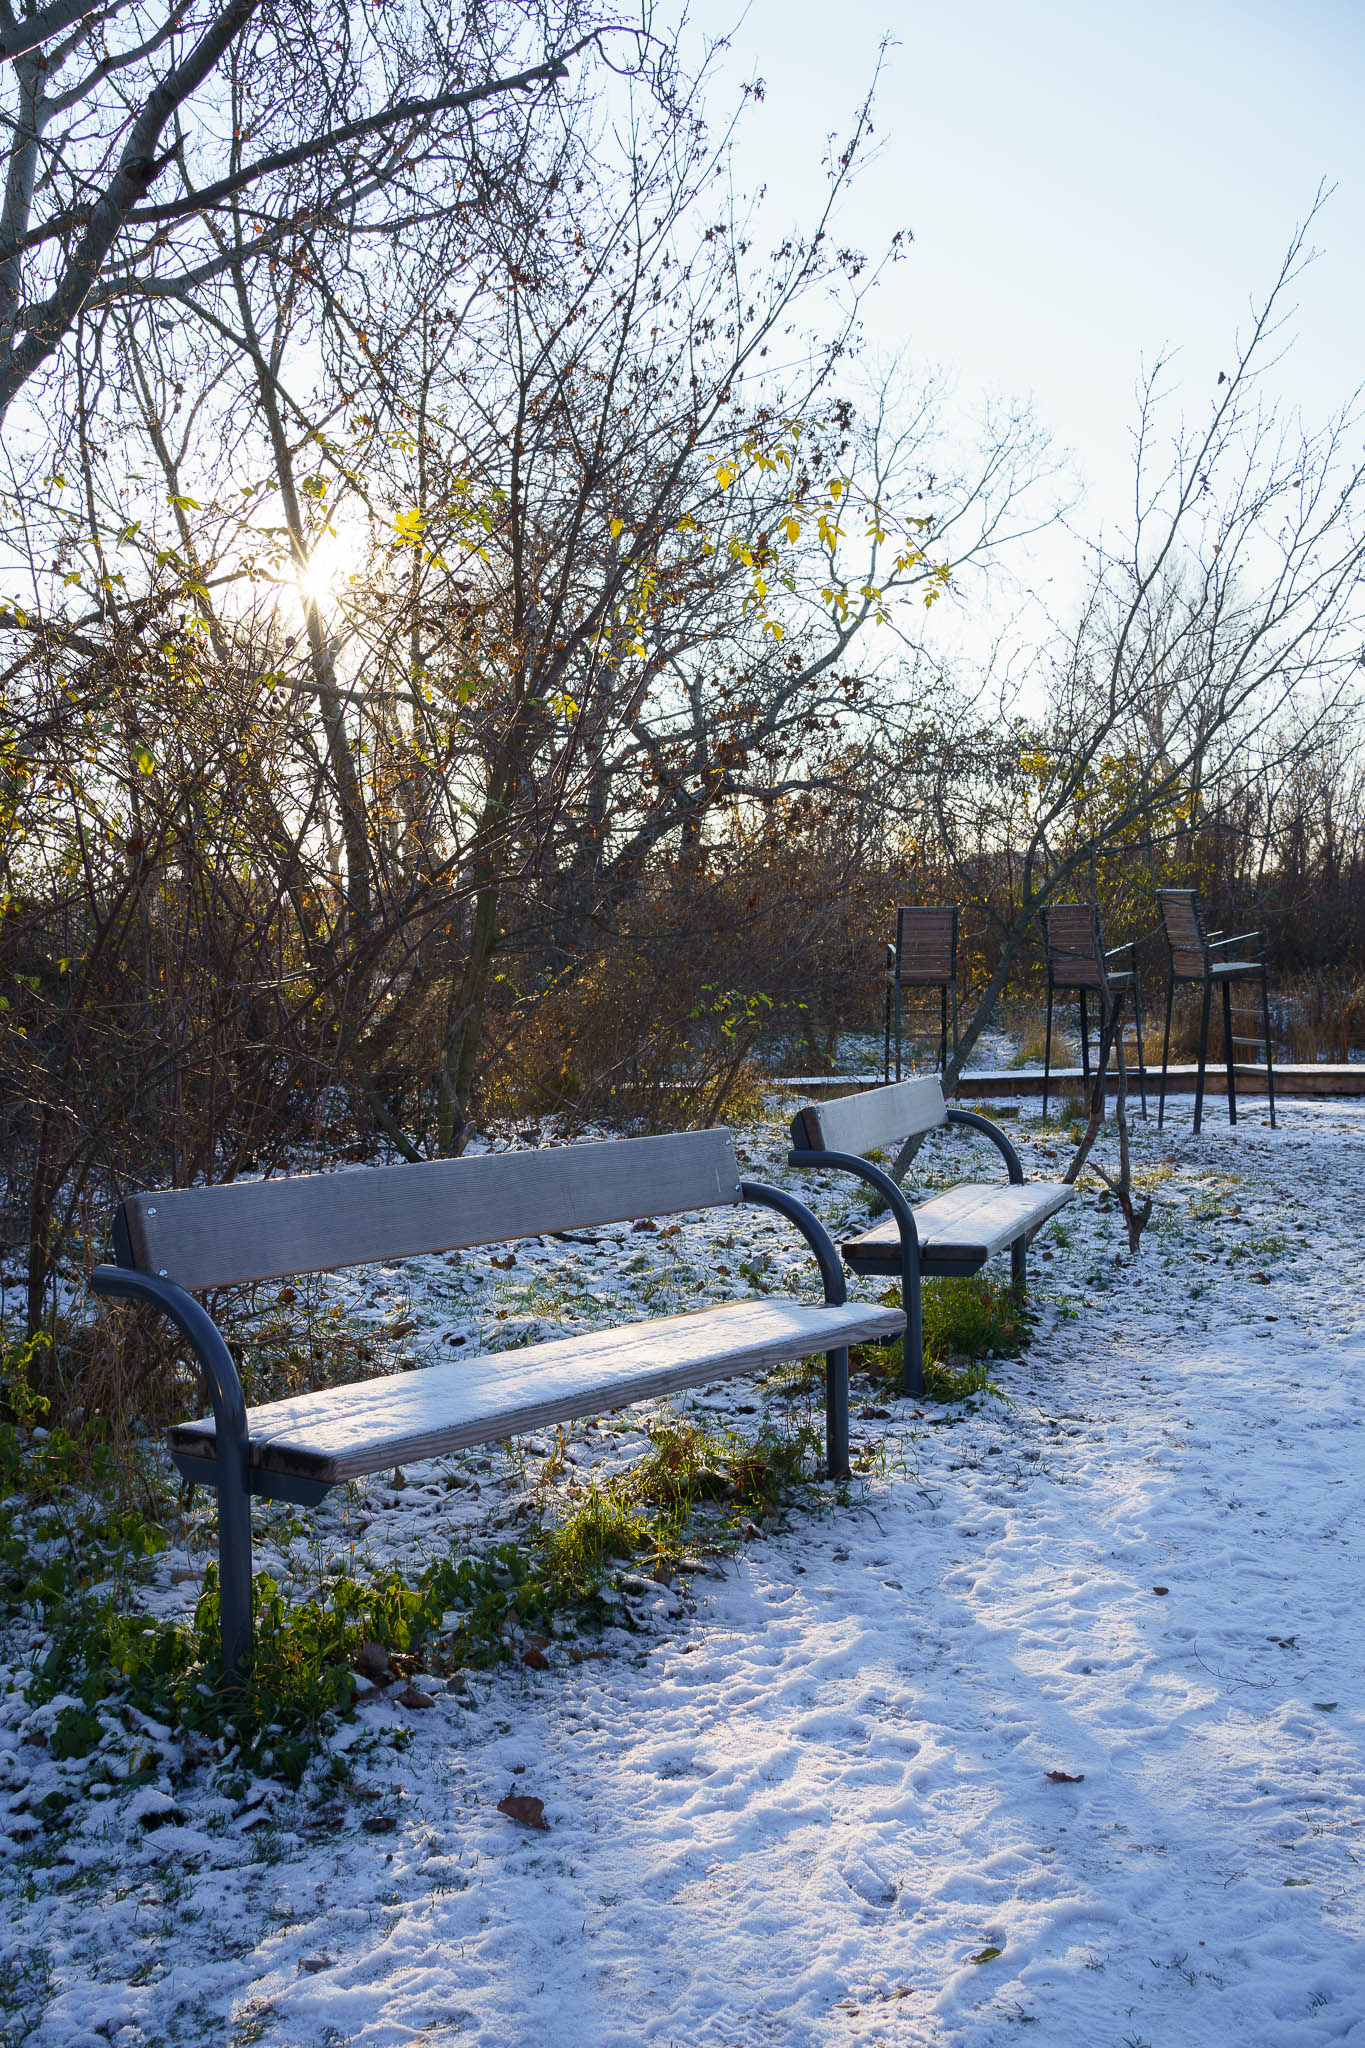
(1304,1081)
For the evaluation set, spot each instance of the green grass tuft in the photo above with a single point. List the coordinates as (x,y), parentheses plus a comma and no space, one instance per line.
(977,1317)
(600,1525)
(966,1322)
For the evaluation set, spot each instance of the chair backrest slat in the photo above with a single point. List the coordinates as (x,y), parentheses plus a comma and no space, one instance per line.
(1075,954)
(872,1120)
(1185,934)
(926,943)
(261,1230)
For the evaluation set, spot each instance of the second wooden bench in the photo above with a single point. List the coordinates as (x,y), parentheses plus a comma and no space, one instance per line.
(948,1235)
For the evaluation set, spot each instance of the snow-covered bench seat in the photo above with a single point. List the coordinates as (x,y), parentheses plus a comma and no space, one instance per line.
(179,1242)
(949,1234)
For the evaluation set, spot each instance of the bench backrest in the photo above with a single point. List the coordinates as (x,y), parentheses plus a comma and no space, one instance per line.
(1183,923)
(306,1223)
(1075,952)
(872,1120)
(926,944)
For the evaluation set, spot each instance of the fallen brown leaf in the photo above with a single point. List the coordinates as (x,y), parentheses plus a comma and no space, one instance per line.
(413,1696)
(1065,1777)
(520,1806)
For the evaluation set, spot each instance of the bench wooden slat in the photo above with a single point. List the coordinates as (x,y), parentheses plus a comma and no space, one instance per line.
(345,1432)
(262,1230)
(876,1118)
(969,1222)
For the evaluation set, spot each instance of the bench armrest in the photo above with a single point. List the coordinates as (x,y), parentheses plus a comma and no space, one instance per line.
(875,1176)
(192,1319)
(894,1197)
(970,1120)
(810,1227)
(1239,939)
(232,1448)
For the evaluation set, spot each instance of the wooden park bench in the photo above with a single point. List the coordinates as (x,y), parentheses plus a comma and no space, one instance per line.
(950,1234)
(174,1244)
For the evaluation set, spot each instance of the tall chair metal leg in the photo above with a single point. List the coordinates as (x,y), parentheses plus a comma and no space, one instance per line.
(1229,1052)
(1137,1031)
(943,1026)
(1047,1047)
(1203,1057)
(1165,1052)
(898,1027)
(886,1035)
(1085,1039)
(1111,1035)
(1269,1049)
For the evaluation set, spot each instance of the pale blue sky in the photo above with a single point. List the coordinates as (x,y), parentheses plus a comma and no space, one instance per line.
(1086,183)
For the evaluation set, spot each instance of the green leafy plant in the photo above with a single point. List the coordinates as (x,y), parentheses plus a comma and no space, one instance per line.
(71,1555)
(302,1681)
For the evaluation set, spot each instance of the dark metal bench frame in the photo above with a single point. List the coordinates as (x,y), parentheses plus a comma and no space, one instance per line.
(232,1471)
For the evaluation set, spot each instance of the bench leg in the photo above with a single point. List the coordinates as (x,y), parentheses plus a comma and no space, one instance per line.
(1019,1267)
(912,1343)
(234,1579)
(836,1414)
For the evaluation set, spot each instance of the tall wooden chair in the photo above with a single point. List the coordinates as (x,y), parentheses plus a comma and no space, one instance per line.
(1196,955)
(924,956)
(1077,961)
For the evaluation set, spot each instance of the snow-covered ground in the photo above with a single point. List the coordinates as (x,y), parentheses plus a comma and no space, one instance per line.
(1059,1723)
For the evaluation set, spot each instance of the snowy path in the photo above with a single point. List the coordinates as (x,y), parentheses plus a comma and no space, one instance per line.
(805,1812)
